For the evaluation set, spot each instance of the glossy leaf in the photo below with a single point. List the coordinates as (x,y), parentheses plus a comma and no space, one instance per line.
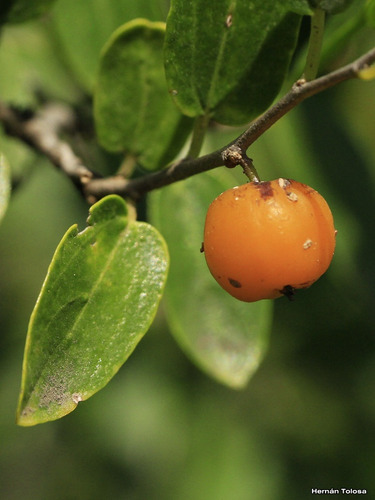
(4,185)
(99,298)
(232,57)
(83,29)
(133,110)
(22,10)
(225,337)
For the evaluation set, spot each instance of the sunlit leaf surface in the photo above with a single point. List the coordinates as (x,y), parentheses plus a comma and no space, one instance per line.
(99,298)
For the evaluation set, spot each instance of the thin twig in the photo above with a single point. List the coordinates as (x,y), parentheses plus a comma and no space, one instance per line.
(300,91)
(230,155)
(136,188)
(42,133)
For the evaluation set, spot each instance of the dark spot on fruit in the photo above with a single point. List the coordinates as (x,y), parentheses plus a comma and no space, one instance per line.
(202,248)
(234,283)
(288,291)
(265,189)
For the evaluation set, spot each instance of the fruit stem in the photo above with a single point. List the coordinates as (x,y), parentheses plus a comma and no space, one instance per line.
(248,169)
(199,132)
(315,45)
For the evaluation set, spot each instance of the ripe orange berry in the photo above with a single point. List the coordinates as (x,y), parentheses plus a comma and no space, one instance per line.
(266,239)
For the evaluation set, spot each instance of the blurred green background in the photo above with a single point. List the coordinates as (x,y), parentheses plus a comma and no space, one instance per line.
(162,430)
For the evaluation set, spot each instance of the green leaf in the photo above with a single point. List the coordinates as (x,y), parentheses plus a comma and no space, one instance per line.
(331,6)
(260,85)
(225,337)
(307,6)
(23,10)
(370,13)
(340,33)
(99,298)
(299,6)
(28,61)
(4,185)
(83,28)
(133,110)
(232,56)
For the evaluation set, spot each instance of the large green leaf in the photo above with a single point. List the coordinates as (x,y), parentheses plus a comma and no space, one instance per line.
(307,6)
(133,110)
(83,28)
(370,12)
(331,6)
(299,6)
(29,62)
(229,51)
(22,10)
(225,337)
(4,185)
(99,298)
(260,85)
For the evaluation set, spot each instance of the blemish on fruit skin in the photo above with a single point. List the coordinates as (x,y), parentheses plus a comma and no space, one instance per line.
(256,204)
(229,21)
(283,183)
(234,283)
(292,196)
(202,248)
(265,189)
(288,291)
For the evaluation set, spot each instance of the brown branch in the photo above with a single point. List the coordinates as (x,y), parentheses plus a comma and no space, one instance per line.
(234,153)
(136,188)
(42,133)
(300,91)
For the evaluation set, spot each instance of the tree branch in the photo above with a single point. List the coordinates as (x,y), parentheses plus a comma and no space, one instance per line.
(234,153)
(42,133)
(300,91)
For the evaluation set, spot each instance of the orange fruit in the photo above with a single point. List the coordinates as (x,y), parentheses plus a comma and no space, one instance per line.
(263,240)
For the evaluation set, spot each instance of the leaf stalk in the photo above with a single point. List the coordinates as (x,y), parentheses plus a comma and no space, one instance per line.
(315,45)
(199,133)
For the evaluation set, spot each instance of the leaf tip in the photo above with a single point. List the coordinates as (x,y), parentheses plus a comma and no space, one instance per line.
(30,414)
(107,208)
